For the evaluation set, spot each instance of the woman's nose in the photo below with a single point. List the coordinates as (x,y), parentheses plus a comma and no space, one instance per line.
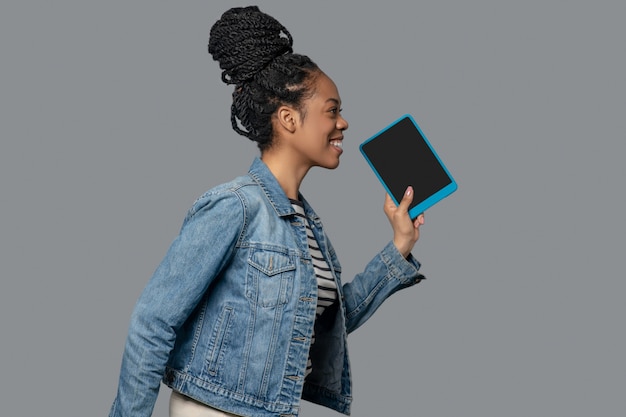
(342,124)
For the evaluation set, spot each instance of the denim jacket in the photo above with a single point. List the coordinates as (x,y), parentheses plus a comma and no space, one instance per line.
(228,315)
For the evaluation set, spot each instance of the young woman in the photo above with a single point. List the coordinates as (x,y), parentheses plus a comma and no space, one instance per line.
(246,315)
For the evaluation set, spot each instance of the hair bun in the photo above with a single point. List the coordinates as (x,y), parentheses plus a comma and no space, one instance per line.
(245,40)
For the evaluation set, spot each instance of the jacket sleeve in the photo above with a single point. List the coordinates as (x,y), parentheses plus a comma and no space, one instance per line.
(201,250)
(387,273)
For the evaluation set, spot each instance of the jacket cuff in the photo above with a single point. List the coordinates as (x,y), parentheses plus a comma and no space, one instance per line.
(405,270)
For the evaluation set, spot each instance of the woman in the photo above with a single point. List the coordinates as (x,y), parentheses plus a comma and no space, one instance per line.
(246,315)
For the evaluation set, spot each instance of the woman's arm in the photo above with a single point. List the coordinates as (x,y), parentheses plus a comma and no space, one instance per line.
(203,247)
(393,269)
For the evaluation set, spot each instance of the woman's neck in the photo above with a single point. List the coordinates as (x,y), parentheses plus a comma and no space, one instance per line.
(288,175)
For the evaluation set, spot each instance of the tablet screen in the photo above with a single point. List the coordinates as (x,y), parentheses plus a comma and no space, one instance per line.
(400,155)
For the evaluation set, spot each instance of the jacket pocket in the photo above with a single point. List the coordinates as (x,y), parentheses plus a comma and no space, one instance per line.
(219,339)
(269,279)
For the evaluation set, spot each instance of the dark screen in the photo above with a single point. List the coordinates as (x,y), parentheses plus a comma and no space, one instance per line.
(402,157)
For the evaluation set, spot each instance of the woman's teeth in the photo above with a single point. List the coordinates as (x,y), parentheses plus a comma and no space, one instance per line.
(337,143)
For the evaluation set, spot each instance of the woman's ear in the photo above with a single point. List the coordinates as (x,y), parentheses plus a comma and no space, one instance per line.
(287,118)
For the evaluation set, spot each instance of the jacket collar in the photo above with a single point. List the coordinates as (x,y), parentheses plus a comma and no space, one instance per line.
(261,174)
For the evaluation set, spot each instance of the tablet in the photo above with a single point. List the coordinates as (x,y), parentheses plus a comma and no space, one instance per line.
(400,155)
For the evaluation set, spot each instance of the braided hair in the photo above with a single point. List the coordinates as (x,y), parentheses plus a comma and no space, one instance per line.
(255,53)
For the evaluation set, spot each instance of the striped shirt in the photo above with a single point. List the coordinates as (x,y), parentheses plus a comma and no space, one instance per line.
(326,286)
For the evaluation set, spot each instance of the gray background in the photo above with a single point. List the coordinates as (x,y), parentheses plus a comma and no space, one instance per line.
(114,119)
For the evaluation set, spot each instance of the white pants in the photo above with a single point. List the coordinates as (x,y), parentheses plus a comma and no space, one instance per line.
(183,406)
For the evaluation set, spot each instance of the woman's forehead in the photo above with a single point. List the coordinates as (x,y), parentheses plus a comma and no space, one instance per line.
(325,89)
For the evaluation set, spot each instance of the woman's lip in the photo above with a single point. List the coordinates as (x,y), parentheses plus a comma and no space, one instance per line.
(337,144)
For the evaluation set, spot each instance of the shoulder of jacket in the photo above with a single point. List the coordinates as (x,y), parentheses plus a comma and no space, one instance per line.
(225,194)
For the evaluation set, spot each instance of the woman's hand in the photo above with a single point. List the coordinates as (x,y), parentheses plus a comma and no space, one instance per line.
(405,231)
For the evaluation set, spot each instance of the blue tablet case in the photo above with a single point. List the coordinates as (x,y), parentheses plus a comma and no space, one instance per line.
(400,155)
